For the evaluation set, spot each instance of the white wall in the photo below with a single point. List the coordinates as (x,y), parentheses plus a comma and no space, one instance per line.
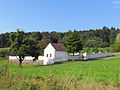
(50,51)
(27,60)
(75,57)
(16,58)
(47,61)
(96,55)
(61,56)
(40,57)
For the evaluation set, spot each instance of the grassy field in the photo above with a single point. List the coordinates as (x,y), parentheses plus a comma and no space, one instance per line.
(105,72)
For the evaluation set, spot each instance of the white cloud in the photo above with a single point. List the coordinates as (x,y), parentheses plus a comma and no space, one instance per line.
(116,2)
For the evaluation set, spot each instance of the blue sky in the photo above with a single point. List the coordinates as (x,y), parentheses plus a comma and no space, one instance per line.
(58,15)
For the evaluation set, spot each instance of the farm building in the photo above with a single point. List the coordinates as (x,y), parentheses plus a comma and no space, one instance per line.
(54,52)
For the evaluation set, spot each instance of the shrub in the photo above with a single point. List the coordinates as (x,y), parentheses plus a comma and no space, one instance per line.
(87,50)
(95,50)
(4,52)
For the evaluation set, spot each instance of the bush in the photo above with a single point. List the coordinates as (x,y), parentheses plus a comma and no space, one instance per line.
(4,52)
(87,50)
(95,50)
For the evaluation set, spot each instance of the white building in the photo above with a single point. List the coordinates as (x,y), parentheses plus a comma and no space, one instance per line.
(56,52)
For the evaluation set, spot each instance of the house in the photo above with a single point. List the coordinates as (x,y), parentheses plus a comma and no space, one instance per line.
(56,52)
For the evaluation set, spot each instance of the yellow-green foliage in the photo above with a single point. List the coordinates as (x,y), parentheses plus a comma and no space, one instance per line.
(4,52)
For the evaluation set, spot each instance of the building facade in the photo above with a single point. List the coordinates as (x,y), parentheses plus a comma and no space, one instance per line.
(56,52)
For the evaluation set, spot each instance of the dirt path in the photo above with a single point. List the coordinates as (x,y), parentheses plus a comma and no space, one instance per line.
(104,58)
(111,57)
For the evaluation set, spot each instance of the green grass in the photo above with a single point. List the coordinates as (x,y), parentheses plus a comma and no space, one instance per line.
(70,61)
(104,71)
(87,74)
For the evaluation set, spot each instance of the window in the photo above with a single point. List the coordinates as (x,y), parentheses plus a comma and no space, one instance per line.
(47,55)
(50,55)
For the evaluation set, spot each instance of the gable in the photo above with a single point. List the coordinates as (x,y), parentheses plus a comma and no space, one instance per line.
(49,48)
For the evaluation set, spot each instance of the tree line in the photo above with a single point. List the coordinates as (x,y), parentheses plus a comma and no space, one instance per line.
(23,44)
(104,37)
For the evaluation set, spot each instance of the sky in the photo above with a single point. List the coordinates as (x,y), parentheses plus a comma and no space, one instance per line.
(58,15)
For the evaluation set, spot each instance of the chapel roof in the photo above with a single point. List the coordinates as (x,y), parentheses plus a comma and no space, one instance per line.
(59,47)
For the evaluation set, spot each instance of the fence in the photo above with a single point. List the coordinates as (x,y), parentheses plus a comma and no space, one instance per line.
(74,57)
(96,55)
(27,60)
(44,61)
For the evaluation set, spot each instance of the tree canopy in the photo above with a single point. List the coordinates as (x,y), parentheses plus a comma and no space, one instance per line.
(117,43)
(22,46)
(99,38)
(73,42)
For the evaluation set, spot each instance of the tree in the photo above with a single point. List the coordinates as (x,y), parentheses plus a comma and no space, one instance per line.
(118,42)
(42,45)
(36,35)
(95,50)
(73,42)
(22,46)
(104,37)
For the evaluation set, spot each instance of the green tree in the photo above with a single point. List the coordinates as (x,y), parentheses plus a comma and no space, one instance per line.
(87,50)
(22,46)
(42,45)
(73,42)
(118,42)
(95,50)
(36,35)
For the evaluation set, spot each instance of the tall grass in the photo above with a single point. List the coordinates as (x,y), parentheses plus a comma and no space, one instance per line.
(98,75)
(18,82)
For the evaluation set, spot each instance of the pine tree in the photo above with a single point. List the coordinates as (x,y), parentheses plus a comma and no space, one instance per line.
(73,42)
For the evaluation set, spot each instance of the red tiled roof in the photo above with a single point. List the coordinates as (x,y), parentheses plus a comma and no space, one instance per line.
(59,47)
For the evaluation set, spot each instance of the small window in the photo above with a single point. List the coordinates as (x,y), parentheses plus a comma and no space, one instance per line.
(47,55)
(50,55)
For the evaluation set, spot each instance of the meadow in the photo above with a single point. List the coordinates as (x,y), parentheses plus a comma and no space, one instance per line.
(104,72)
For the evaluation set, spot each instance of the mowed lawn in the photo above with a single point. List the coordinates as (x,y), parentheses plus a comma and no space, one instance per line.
(104,71)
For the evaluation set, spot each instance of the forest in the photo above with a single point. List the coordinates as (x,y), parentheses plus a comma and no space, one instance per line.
(99,38)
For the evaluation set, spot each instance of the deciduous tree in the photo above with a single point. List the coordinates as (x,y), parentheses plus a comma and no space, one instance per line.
(22,46)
